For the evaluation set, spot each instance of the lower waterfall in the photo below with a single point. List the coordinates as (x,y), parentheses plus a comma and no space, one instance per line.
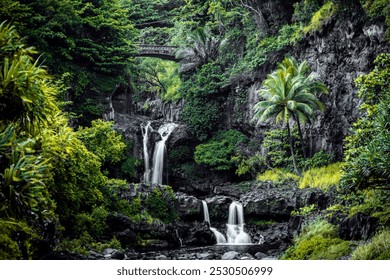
(235,227)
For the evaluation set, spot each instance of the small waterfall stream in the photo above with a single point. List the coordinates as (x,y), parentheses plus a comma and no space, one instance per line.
(219,236)
(236,234)
(235,226)
(159,151)
(145,133)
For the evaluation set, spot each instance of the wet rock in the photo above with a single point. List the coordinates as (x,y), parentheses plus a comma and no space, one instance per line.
(359,226)
(232,255)
(161,257)
(200,235)
(188,207)
(219,207)
(260,255)
(118,255)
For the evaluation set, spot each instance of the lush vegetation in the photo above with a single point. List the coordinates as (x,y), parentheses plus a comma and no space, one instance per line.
(318,241)
(64,172)
(289,93)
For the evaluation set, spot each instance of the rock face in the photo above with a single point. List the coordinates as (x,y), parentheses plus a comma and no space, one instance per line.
(188,207)
(342,51)
(358,227)
(268,202)
(338,55)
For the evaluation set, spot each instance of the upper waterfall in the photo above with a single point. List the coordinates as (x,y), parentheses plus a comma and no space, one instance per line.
(159,151)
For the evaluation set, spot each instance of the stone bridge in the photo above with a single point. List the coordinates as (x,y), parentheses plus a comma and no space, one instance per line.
(163,52)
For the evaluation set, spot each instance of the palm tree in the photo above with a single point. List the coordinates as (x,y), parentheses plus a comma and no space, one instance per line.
(203,47)
(289,93)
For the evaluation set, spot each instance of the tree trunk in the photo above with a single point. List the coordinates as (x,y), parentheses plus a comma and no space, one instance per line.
(292,149)
(301,137)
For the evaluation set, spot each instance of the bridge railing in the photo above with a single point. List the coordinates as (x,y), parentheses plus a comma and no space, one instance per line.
(155,49)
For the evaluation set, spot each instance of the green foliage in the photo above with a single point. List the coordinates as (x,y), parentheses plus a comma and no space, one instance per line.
(201,48)
(9,247)
(260,49)
(278,176)
(159,204)
(249,165)
(202,116)
(277,148)
(93,223)
(304,10)
(128,168)
(378,9)
(26,93)
(321,17)
(159,77)
(367,157)
(103,141)
(76,179)
(289,93)
(377,249)
(91,40)
(22,182)
(373,202)
(218,152)
(321,177)
(317,160)
(304,211)
(317,241)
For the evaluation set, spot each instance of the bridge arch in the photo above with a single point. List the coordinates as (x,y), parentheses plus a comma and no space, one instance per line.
(163,52)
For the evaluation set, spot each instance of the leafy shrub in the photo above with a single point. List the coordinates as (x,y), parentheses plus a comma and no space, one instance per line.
(94,223)
(322,177)
(103,141)
(321,17)
(258,51)
(218,152)
(202,116)
(317,160)
(250,164)
(278,176)
(377,249)
(128,168)
(318,240)
(159,204)
(304,10)
(277,147)
(373,202)
(304,211)
(367,154)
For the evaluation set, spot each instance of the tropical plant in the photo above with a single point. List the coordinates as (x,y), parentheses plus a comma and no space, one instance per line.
(289,93)
(26,96)
(202,48)
(367,155)
(218,152)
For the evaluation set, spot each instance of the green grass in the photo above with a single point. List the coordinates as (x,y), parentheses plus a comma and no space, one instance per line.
(317,241)
(377,249)
(277,176)
(322,16)
(323,177)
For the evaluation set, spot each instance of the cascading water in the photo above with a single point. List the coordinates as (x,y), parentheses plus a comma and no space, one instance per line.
(145,133)
(159,152)
(235,226)
(218,236)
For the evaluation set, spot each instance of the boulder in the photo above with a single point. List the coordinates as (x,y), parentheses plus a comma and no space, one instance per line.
(231,255)
(358,227)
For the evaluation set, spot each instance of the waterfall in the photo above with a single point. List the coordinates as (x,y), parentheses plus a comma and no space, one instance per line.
(218,236)
(235,226)
(145,133)
(159,151)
